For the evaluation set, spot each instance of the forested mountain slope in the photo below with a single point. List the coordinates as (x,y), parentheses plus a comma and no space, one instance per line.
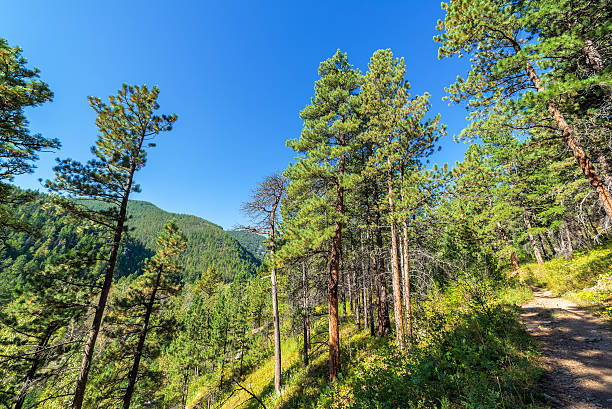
(208,244)
(253,242)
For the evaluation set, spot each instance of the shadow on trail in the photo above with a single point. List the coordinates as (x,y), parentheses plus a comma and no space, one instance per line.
(578,352)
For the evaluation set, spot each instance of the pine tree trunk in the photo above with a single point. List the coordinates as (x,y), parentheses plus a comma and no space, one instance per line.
(305,312)
(502,232)
(133,375)
(395,275)
(79,393)
(275,316)
(579,154)
(334,275)
(27,383)
(355,297)
(406,279)
(534,244)
(185,389)
(384,324)
(277,341)
(364,277)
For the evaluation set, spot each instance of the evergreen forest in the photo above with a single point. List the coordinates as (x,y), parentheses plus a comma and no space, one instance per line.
(368,275)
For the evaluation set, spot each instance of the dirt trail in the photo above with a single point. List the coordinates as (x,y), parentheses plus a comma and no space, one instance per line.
(577,352)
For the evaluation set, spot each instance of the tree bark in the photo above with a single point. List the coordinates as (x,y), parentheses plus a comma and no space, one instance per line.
(133,375)
(334,274)
(605,169)
(355,295)
(395,275)
(545,250)
(406,279)
(370,309)
(364,274)
(570,246)
(275,317)
(579,154)
(593,58)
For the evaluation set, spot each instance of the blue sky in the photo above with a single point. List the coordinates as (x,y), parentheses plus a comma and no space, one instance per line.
(236,72)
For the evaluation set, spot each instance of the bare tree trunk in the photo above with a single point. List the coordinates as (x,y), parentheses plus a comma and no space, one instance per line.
(579,154)
(534,244)
(332,287)
(395,275)
(605,169)
(551,242)
(277,341)
(79,393)
(502,232)
(406,278)
(570,246)
(133,375)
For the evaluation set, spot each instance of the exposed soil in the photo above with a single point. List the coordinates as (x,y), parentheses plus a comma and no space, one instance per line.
(576,350)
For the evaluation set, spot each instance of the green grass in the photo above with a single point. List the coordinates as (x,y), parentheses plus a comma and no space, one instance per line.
(471,352)
(586,279)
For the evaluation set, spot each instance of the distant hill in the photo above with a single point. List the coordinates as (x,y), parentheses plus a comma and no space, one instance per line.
(253,242)
(208,245)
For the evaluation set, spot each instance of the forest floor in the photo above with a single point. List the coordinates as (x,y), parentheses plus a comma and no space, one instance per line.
(576,352)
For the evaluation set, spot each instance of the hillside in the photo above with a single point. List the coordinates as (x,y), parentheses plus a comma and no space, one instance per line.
(254,243)
(208,244)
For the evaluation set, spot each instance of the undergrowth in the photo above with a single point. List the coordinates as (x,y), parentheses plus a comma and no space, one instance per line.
(469,351)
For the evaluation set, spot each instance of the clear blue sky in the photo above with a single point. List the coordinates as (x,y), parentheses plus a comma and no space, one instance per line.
(236,72)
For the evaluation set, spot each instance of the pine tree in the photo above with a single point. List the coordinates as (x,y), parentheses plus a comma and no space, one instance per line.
(401,138)
(331,123)
(162,278)
(504,88)
(20,88)
(126,125)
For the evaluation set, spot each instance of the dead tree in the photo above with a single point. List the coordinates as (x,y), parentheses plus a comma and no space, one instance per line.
(263,210)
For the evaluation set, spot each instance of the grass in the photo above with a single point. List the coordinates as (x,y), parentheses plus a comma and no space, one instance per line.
(470,353)
(586,279)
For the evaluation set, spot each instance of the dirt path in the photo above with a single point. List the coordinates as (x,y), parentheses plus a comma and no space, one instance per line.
(577,352)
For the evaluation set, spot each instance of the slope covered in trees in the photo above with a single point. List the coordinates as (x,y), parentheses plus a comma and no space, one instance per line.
(252,242)
(208,245)
(385,281)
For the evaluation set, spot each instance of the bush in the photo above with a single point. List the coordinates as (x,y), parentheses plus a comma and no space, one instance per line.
(471,353)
